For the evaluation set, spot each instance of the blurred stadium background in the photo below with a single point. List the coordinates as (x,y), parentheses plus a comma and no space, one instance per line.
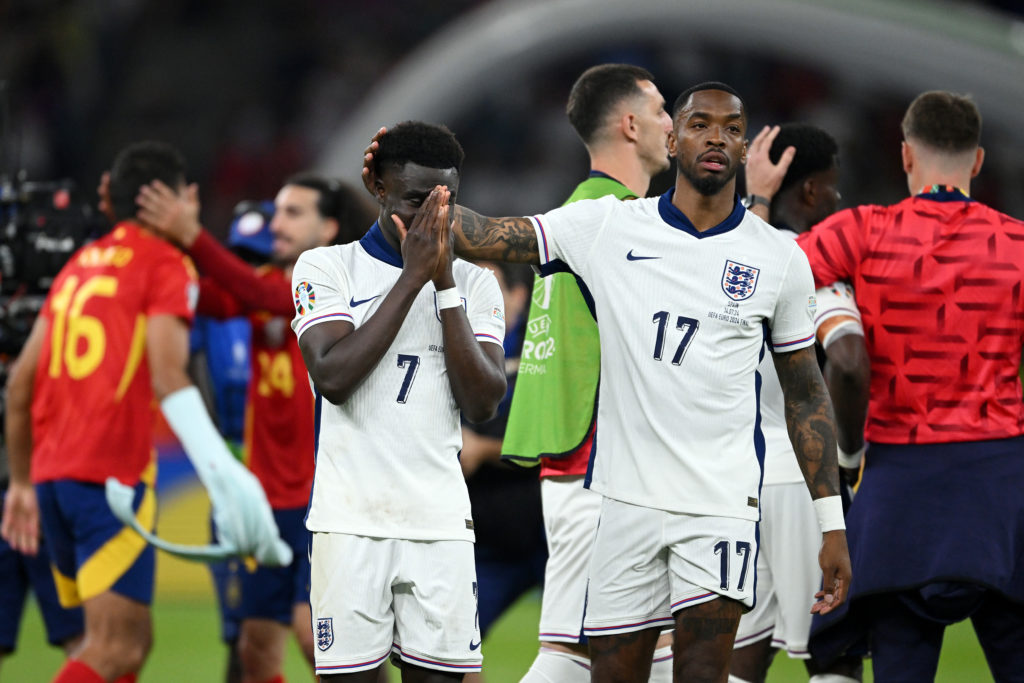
(253,90)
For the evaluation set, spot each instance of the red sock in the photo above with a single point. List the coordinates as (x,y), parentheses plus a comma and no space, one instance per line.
(128,678)
(76,671)
(279,678)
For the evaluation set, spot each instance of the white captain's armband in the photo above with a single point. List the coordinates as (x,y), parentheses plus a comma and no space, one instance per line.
(837,314)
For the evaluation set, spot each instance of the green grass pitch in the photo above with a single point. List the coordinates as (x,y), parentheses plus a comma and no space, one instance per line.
(187,648)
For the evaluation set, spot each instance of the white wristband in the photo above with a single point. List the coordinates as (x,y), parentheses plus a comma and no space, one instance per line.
(849,460)
(448,298)
(830,513)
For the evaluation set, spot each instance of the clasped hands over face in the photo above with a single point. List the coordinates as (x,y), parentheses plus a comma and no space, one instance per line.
(427,242)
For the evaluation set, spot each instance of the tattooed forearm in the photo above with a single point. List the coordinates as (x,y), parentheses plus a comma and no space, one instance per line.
(512,240)
(809,420)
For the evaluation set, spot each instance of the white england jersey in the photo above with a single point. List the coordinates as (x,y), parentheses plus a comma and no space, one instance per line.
(387,459)
(683,318)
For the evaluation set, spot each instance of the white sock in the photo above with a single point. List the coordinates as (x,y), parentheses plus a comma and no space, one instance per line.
(737,679)
(661,671)
(553,666)
(832,678)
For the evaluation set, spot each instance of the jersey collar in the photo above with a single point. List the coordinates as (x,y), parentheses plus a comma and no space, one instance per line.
(944,193)
(377,246)
(601,174)
(678,220)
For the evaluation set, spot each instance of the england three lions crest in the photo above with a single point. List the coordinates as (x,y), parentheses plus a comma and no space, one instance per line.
(324,633)
(739,281)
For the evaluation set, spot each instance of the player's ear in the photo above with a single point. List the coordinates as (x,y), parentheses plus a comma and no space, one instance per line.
(672,143)
(979,159)
(907,154)
(379,190)
(628,125)
(808,189)
(330,230)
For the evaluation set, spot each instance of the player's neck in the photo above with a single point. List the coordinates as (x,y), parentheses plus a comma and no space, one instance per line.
(785,216)
(919,182)
(704,211)
(624,166)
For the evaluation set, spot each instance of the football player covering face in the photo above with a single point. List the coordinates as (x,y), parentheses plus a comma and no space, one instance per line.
(402,190)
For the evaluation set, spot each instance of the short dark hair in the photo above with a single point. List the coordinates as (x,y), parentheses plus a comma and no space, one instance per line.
(944,121)
(339,201)
(139,164)
(420,143)
(816,151)
(707,85)
(596,92)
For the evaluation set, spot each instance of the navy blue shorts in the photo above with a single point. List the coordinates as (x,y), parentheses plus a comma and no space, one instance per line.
(18,575)
(273,592)
(939,512)
(91,550)
(929,517)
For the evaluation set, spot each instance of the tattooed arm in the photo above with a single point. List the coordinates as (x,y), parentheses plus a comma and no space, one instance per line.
(809,420)
(812,432)
(510,239)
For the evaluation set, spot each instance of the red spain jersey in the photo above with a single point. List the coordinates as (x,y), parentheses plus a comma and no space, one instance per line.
(938,280)
(279,431)
(92,404)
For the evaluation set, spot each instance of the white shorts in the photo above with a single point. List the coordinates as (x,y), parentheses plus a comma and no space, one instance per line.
(787,571)
(648,564)
(371,597)
(570,520)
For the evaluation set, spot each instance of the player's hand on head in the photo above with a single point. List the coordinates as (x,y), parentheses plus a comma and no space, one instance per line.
(173,216)
(20,525)
(369,173)
(764,178)
(834,559)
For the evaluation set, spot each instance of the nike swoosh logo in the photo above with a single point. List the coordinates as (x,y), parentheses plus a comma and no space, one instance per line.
(630,257)
(474,646)
(353,303)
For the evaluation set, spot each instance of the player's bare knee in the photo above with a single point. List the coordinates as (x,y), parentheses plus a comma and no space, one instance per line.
(261,648)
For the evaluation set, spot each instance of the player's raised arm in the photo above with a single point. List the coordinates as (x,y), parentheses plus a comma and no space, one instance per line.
(812,431)
(510,239)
